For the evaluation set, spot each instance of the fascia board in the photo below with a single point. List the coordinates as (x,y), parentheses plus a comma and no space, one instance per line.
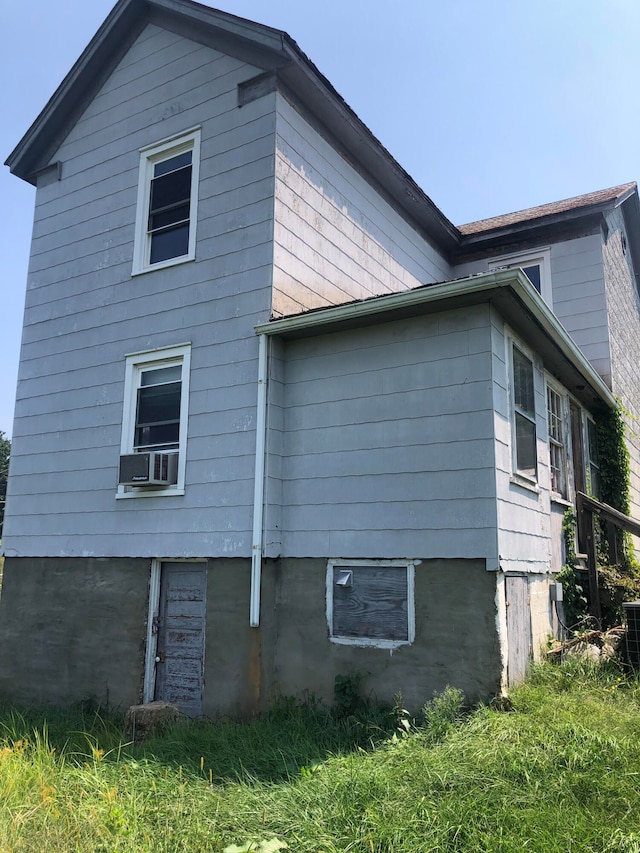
(316,93)
(631,213)
(481,288)
(72,95)
(125,21)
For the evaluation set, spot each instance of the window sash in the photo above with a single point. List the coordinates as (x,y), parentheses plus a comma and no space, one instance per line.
(167,203)
(557,442)
(524,419)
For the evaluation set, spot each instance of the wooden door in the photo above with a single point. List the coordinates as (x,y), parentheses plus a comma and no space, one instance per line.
(181,625)
(518,627)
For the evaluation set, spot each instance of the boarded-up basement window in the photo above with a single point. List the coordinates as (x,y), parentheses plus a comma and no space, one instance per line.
(370,603)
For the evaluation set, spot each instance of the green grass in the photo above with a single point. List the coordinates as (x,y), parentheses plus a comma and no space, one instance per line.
(559,771)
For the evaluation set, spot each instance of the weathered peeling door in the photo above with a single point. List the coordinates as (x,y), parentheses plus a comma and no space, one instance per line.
(518,627)
(181,623)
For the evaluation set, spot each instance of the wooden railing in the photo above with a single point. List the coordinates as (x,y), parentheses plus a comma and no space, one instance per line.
(587,508)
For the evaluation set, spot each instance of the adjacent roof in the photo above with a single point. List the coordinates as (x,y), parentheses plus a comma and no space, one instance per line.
(509,290)
(614,195)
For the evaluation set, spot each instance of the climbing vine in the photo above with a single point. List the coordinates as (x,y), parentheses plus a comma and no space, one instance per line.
(574,600)
(620,580)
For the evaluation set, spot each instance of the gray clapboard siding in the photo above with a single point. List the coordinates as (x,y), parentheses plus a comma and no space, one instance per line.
(371,450)
(623,299)
(523,515)
(335,238)
(85,313)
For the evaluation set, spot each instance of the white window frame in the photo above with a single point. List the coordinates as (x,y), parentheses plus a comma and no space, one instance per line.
(590,461)
(517,476)
(563,445)
(135,364)
(541,256)
(149,156)
(371,642)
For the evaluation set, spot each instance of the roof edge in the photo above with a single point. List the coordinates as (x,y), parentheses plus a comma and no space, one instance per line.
(512,279)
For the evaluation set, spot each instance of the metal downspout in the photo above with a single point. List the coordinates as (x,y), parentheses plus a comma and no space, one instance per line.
(258,494)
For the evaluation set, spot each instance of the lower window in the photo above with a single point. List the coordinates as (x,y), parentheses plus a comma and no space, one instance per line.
(371,602)
(155,422)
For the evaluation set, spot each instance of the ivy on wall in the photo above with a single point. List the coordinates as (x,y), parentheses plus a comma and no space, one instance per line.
(618,581)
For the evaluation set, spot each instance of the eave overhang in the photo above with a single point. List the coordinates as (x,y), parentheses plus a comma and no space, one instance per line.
(265,48)
(509,291)
(546,228)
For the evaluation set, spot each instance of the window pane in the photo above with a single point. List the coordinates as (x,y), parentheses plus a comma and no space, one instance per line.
(533,274)
(157,375)
(523,392)
(170,190)
(168,218)
(525,446)
(170,244)
(173,163)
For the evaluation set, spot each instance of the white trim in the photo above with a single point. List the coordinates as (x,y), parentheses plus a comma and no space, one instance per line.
(134,365)
(149,156)
(512,279)
(519,477)
(149,688)
(519,260)
(368,642)
(563,394)
(259,479)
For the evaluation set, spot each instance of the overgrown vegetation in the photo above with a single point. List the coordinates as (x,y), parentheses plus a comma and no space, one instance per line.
(619,578)
(558,772)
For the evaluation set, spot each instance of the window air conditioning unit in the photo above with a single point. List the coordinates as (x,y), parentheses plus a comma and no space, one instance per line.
(148,469)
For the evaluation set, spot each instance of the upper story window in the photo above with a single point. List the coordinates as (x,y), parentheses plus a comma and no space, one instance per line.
(535,265)
(167,203)
(557,425)
(523,415)
(156,394)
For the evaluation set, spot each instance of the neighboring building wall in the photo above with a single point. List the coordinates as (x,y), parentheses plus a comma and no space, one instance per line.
(388,446)
(85,312)
(623,301)
(336,239)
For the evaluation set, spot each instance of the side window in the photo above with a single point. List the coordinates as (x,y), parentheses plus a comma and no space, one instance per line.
(371,603)
(167,203)
(592,458)
(523,415)
(557,424)
(535,265)
(154,426)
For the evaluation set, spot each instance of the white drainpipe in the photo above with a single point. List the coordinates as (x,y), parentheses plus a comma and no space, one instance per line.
(258,494)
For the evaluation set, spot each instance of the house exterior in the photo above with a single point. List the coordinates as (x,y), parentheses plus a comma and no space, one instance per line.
(278,419)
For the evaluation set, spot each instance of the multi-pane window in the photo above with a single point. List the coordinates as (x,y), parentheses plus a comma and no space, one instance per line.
(170,208)
(157,424)
(156,395)
(524,415)
(592,460)
(557,442)
(167,203)
(536,266)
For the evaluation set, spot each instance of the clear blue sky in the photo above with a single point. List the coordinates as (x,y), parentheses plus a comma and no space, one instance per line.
(491,106)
